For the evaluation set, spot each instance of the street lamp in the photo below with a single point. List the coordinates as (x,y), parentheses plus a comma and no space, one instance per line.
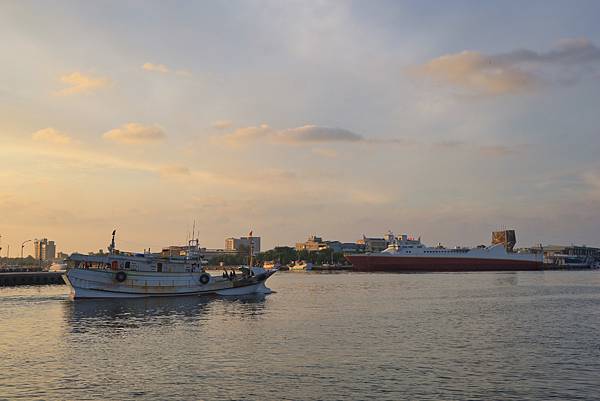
(23,246)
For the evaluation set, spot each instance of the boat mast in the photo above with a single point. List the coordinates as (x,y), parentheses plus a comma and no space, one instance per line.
(250,247)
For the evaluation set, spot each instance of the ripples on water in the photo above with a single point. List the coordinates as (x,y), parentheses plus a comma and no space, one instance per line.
(321,336)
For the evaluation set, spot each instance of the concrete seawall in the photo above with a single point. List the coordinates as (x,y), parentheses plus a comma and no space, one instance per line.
(30,278)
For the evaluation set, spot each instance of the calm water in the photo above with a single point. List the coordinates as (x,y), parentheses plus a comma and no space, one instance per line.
(321,336)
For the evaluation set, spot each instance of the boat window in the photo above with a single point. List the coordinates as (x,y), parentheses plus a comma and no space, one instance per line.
(159,267)
(127,265)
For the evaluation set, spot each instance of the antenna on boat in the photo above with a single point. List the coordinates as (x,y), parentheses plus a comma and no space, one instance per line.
(111,247)
(194,230)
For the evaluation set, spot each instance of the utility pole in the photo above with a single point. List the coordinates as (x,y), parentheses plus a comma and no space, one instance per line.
(23,246)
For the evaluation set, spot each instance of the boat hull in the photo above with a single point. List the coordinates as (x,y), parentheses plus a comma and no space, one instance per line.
(91,283)
(372,263)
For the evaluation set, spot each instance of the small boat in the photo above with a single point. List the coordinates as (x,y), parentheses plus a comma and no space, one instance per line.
(301,265)
(58,267)
(118,274)
(270,265)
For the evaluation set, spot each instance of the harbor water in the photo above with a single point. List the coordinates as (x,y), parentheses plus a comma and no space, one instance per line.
(504,336)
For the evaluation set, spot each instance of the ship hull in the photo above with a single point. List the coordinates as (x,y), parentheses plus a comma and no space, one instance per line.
(90,283)
(374,263)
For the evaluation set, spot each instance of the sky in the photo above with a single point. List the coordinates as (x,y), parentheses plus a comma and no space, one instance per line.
(444,120)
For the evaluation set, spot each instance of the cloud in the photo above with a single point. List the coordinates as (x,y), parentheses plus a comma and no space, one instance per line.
(222,124)
(155,68)
(448,144)
(368,197)
(513,72)
(316,134)
(304,135)
(475,71)
(485,150)
(183,73)
(134,133)
(80,83)
(246,135)
(174,171)
(497,150)
(51,135)
(325,152)
(591,179)
(571,51)
(163,69)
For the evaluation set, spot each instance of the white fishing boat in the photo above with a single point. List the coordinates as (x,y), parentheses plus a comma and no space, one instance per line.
(118,274)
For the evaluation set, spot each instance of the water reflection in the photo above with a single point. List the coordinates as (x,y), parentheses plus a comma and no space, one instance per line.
(92,314)
(507,278)
(245,306)
(346,336)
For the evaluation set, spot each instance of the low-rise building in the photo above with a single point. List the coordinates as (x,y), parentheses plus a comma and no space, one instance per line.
(313,244)
(554,253)
(243,244)
(208,253)
(351,247)
(572,250)
(335,246)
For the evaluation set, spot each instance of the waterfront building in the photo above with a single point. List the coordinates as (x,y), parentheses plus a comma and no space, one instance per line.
(335,246)
(372,244)
(44,249)
(572,250)
(555,254)
(243,244)
(351,247)
(313,244)
(316,244)
(208,253)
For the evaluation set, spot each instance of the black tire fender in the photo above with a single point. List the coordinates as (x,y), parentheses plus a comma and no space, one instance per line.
(121,276)
(204,278)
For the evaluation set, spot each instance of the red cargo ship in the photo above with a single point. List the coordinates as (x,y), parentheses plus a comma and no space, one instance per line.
(406,254)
